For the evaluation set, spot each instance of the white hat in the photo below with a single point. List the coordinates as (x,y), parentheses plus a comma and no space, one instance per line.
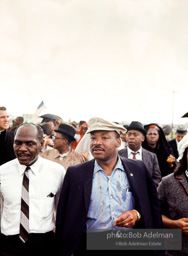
(182,145)
(182,129)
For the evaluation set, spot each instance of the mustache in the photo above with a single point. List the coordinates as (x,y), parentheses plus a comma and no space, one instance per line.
(97,147)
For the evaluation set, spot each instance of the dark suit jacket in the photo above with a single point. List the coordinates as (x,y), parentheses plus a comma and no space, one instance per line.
(75,199)
(173,145)
(7,151)
(151,162)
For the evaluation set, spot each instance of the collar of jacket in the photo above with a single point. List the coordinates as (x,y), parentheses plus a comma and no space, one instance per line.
(183,181)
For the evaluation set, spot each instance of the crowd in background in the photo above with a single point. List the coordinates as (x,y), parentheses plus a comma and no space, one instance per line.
(163,151)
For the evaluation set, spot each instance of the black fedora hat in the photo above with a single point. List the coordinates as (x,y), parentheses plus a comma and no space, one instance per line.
(136,126)
(67,130)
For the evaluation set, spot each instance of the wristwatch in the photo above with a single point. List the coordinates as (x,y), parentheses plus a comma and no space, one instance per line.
(138,215)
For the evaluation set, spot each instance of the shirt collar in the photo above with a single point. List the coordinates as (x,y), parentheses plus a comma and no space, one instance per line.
(138,151)
(64,154)
(118,165)
(35,168)
(61,156)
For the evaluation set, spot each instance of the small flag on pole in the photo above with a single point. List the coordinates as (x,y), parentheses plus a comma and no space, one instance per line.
(39,109)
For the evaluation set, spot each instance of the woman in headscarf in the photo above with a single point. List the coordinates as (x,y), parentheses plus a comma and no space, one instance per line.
(82,130)
(173,196)
(156,142)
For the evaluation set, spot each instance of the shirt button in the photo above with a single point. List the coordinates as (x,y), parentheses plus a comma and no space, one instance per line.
(111,196)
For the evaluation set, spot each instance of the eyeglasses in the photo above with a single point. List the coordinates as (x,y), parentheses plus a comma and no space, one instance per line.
(57,138)
(132,134)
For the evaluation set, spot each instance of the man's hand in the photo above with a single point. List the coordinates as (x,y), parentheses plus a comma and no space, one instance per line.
(126,219)
(183,224)
(170,160)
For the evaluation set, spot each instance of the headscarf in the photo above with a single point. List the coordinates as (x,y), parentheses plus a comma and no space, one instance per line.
(75,144)
(162,150)
(162,143)
(182,145)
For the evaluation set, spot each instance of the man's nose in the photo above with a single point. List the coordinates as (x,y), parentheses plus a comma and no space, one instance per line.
(97,142)
(23,147)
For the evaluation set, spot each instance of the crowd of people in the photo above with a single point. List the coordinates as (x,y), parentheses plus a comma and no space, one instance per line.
(60,180)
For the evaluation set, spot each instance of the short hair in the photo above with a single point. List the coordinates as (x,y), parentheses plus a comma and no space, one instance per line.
(182,165)
(39,130)
(74,124)
(47,129)
(66,137)
(81,122)
(3,108)
(21,119)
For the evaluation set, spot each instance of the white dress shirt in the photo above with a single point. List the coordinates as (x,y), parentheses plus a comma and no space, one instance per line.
(138,155)
(45,181)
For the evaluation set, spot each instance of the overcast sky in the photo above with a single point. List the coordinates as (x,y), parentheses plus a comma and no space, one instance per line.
(116,59)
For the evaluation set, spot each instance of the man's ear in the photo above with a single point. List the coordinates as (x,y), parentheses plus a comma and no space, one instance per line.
(119,142)
(41,144)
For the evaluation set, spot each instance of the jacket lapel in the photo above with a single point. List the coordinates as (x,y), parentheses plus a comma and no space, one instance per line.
(126,152)
(88,179)
(143,156)
(183,181)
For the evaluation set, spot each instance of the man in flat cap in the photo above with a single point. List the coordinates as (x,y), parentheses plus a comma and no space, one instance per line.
(134,137)
(107,192)
(181,131)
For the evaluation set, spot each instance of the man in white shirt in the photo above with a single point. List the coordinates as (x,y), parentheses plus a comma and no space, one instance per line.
(44,180)
(135,136)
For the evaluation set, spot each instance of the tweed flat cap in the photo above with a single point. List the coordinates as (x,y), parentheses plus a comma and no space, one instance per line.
(99,124)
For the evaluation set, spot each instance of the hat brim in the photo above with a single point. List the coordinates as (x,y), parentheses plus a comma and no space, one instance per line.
(181,131)
(103,129)
(65,134)
(137,129)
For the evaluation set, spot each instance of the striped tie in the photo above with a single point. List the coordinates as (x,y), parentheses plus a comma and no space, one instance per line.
(24,220)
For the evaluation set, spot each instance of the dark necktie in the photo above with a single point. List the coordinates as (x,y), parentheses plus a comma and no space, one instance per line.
(24,220)
(134,154)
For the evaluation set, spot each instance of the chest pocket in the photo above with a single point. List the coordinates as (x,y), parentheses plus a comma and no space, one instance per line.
(47,206)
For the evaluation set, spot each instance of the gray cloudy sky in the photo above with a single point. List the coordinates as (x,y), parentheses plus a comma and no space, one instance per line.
(116,59)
